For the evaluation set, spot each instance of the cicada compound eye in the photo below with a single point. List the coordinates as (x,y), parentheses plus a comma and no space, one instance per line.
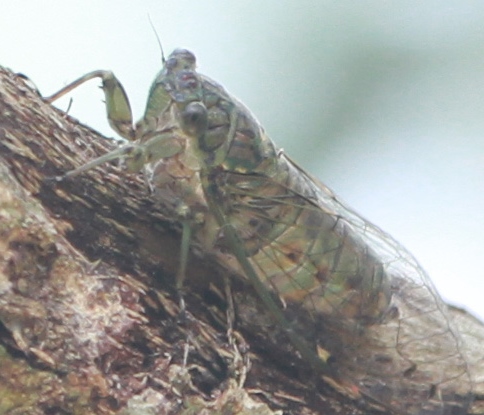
(195,118)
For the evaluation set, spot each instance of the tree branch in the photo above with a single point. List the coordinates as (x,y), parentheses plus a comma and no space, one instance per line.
(90,322)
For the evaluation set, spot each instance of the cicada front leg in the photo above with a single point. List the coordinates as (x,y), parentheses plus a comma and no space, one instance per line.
(118,108)
(143,145)
(152,144)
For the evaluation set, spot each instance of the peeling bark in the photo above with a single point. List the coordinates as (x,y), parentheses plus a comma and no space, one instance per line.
(89,315)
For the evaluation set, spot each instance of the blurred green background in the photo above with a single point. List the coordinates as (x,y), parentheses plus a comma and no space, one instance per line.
(382,100)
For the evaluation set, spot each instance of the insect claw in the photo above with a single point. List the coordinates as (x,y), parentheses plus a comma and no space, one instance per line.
(181,303)
(54,178)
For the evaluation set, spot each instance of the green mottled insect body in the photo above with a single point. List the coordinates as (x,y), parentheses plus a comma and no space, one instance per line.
(351,288)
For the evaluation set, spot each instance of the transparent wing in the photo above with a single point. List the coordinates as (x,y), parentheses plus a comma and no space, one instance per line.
(353,289)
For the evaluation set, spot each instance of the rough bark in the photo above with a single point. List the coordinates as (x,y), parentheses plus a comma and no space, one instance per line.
(89,316)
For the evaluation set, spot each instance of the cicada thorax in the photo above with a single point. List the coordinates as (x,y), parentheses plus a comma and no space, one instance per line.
(170,166)
(301,251)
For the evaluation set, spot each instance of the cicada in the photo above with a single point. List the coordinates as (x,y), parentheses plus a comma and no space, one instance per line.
(330,278)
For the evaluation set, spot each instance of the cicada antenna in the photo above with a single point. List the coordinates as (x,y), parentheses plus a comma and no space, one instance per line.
(158,39)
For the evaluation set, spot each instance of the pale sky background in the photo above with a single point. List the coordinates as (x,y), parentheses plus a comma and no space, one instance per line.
(382,100)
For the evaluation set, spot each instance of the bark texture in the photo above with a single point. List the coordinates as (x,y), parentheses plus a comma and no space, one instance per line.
(89,315)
